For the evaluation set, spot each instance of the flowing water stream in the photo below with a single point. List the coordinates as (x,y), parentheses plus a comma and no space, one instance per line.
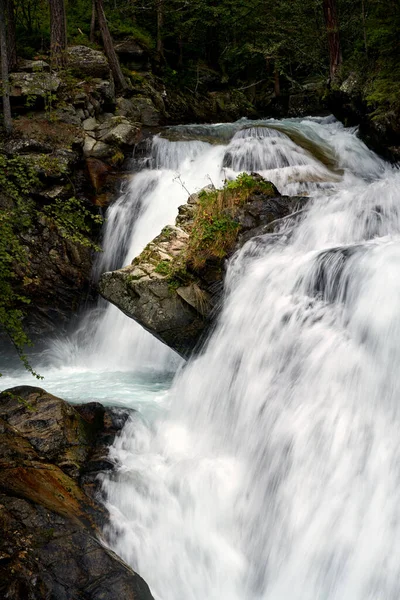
(269,469)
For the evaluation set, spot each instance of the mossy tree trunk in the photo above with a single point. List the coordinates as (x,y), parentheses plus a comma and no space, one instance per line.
(58,33)
(109,49)
(4,69)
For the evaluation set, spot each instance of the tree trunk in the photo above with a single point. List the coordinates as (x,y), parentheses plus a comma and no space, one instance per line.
(180,46)
(109,50)
(160,25)
(277,85)
(11,36)
(58,33)
(4,69)
(332,28)
(364,26)
(93,22)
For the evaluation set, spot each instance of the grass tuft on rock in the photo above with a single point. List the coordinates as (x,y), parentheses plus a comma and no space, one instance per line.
(215,230)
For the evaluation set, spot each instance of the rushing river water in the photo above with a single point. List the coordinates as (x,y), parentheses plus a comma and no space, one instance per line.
(268,468)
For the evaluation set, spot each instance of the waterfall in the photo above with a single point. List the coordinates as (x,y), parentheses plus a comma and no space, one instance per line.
(269,469)
(274,474)
(106,339)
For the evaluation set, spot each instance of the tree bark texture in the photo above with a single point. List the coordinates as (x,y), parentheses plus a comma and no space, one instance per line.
(364,26)
(58,33)
(277,85)
(109,50)
(11,36)
(332,28)
(93,22)
(160,25)
(4,69)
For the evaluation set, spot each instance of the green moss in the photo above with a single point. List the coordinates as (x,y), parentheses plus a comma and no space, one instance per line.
(133,278)
(174,284)
(163,267)
(175,271)
(167,232)
(117,158)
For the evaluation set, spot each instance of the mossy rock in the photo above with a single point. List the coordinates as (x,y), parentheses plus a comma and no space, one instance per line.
(173,287)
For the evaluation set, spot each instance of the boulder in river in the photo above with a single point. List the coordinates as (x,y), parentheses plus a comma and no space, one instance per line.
(50,456)
(173,288)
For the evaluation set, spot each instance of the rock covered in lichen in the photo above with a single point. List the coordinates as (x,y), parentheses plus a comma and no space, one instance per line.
(33,84)
(87,62)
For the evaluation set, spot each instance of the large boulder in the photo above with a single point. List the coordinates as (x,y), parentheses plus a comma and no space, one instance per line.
(111,137)
(86,62)
(33,85)
(123,134)
(141,110)
(33,66)
(173,287)
(50,455)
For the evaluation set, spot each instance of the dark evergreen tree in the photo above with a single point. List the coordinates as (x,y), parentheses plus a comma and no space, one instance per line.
(160,25)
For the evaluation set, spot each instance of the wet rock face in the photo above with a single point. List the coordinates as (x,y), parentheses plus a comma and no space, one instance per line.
(60,273)
(50,456)
(179,311)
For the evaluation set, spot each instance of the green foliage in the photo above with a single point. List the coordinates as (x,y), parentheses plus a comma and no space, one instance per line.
(246,184)
(210,44)
(73,221)
(16,181)
(383,92)
(17,218)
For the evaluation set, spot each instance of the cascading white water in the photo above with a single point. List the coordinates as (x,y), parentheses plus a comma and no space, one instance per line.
(106,338)
(269,471)
(274,475)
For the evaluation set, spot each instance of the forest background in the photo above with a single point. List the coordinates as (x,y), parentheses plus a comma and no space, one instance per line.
(197,44)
